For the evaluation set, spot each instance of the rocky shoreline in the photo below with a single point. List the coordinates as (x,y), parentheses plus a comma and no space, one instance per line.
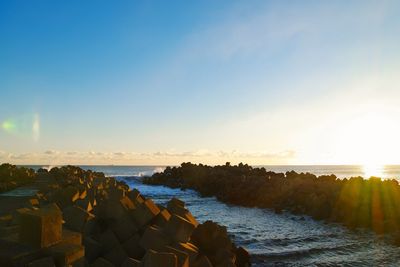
(355,202)
(82,218)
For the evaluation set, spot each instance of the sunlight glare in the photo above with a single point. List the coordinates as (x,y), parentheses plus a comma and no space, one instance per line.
(373,170)
(369,139)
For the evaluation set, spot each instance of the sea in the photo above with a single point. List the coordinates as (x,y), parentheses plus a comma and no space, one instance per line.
(278,239)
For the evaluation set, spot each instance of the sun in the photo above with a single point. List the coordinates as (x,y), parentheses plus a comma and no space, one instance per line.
(373,170)
(369,139)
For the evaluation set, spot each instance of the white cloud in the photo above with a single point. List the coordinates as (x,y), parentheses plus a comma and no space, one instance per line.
(54,157)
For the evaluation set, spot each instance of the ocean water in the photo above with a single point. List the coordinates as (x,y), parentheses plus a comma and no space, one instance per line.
(341,171)
(276,239)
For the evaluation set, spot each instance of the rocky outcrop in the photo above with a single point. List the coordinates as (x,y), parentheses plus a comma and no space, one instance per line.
(82,218)
(356,202)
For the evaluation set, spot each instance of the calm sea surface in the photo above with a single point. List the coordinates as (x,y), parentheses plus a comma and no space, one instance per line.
(279,239)
(341,171)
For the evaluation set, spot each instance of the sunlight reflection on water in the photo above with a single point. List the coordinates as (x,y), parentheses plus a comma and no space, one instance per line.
(374,170)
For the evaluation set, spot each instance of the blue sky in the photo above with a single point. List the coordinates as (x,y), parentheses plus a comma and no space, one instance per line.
(160,82)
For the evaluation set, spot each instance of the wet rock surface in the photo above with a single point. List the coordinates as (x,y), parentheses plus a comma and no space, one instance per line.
(82,218)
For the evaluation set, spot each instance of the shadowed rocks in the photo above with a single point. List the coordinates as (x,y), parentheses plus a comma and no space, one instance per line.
(12,176)
(82,218)
(356,202)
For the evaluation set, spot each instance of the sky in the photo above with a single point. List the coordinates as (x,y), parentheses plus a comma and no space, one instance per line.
(162,82)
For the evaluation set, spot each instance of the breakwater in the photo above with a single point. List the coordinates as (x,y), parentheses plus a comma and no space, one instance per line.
(354,202)
(12,176)
(81,217)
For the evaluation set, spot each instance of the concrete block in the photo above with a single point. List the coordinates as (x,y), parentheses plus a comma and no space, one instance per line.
(65,254)
(133,248)
(17,254)
(182,257)
(16,215)
(66,196)
(115,193)
(5,220)
(116,255)
(242,257)
(176,202)
(91,228)
(42,227)
(107,240)
(91,195)
(162,218)
(93,249)
(123,228)
(75,218)
(43,262)
(179,229)
(175,206)
(190,249)
(85,204)
(202,261)
(153,238)
(82,262)
(226,263)
(71,237)
(127,203)
(82,193)
(225,256)
(135,196)
(110,210)
(158,259)
(34,202)
(189,216)
(101,262)
(129,262)
(145,213)
(8,230)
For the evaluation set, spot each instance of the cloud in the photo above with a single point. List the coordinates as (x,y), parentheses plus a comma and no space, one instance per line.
(3,154)
(249,29)
(51,152)
(54,157)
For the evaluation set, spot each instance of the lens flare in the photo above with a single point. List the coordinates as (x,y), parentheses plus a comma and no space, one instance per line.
(8,126)
(36,127)
(27,126)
